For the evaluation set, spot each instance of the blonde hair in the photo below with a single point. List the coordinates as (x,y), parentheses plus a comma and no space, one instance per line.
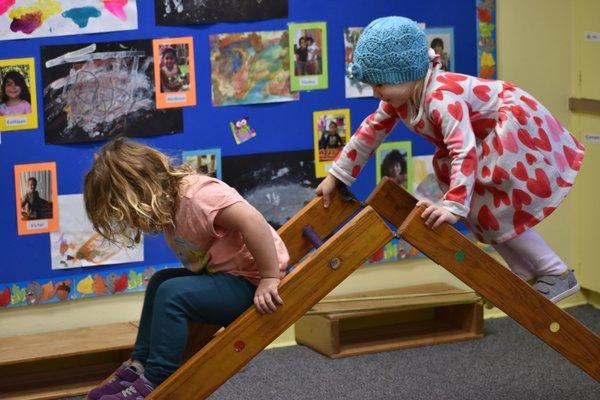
(417,92)
(131,188)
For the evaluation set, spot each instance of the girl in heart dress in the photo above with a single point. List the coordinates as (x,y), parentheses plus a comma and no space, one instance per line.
(502,160)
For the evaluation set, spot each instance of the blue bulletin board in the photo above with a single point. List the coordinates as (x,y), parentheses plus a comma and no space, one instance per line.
(280,128)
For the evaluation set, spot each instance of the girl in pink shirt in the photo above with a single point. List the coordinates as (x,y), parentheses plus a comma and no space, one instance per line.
(14,95)
(232,256)
(502,160)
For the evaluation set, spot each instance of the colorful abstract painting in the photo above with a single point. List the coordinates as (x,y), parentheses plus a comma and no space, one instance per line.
(100,90)
(24,19)
(76,244)
(250,68)
(182,12)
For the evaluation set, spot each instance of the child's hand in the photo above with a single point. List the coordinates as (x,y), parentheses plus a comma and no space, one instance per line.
(434,215)
(266,295)
(325,188)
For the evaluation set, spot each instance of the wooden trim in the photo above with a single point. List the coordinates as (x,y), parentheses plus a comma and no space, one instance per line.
(584,105)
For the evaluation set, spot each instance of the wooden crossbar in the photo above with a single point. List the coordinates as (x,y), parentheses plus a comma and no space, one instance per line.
(311,280)
(465,260)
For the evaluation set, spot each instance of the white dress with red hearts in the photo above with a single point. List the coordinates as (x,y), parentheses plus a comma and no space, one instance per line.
(503,161)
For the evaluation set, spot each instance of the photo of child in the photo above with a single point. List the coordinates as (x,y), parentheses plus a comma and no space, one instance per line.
(394,160)
(174,68)
(205,162)
(36,195)
(15,97)
(307,50)
(330,140)
(441,40)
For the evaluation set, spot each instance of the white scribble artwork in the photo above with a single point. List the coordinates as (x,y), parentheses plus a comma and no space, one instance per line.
(25,19)
(76,244)
(105,87)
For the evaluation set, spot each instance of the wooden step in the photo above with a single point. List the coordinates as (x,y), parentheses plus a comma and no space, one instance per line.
(392,319)
(64,363)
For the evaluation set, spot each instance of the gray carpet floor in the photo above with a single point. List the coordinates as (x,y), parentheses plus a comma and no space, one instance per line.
(509,363)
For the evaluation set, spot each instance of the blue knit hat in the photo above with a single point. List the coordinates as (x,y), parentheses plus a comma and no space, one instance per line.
(390,50)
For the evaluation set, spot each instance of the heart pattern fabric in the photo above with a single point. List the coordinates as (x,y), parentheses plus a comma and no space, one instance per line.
(504,162)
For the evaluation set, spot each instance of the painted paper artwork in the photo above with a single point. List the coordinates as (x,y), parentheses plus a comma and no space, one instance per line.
(24,19)
(250,68)
(174,72)
(183,12)
(36,198)
(205,162)
(486,39)
(242,131)
(353,89)
(394,160)
(76,244)
(100,90)
(441,40)
(277,184)
(18,104)
(308,55)
(331,131)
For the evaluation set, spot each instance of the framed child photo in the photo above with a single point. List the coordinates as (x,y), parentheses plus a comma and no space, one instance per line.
(205,162)
(36,198)
(394,160)
(441,40)
(331,132)
(308,56)
(174,77)
(18,104)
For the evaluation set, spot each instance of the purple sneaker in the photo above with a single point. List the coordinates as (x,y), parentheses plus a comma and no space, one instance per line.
(137,391)
(122,379)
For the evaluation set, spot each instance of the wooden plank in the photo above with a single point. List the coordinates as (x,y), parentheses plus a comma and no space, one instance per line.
(391,201)
(322,220)
(447,247)
(409,297)
(584,105)
(72,342)
(312,279)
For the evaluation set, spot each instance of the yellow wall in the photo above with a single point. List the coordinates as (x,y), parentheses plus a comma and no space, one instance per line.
(534,51)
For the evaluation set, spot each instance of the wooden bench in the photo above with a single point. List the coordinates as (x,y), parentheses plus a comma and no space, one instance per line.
(64,363)
(383,320)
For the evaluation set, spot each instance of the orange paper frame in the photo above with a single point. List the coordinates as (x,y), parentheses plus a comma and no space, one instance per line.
(182,91)
(45,216)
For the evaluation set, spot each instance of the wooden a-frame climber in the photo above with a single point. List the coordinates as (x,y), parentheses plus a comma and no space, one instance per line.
(223,353)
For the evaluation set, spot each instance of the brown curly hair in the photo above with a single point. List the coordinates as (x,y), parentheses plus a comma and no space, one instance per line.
(131,189)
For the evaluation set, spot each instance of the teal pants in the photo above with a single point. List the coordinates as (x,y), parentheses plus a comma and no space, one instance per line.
(176,296)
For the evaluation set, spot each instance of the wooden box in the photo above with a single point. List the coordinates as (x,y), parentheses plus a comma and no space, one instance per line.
(61,364)
(391,319)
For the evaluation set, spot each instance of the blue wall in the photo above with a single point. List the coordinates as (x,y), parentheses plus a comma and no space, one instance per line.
(280,126)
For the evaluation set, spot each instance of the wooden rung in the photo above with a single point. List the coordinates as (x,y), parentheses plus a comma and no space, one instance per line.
(313,278)
(322,220)
(450,249)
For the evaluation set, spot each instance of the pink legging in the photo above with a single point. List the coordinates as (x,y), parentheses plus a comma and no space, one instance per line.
(528,256)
